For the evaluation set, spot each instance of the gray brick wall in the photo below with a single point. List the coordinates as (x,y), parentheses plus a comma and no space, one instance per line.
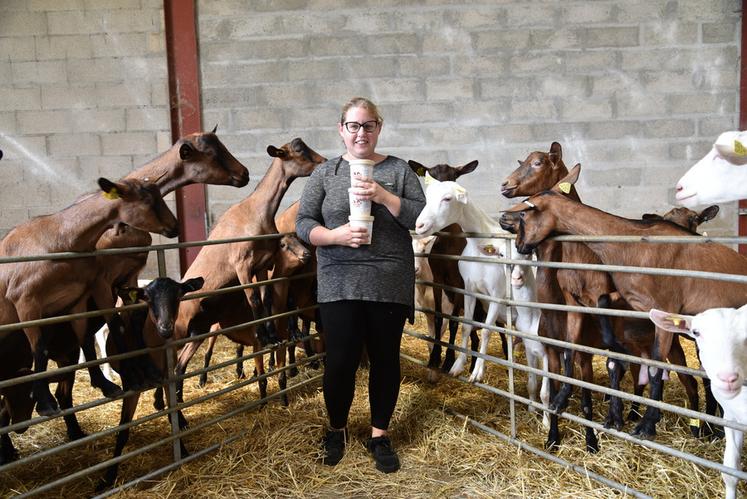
(83,94)
(634,90)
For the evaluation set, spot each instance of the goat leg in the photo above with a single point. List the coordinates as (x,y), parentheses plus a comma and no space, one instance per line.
(98,380)
(8,452)
(64,395)
(559,403)
(646,428)
(615,370)
(208,355)
(240,374)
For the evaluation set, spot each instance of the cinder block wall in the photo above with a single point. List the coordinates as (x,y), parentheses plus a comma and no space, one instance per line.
(83,94)
(635,90)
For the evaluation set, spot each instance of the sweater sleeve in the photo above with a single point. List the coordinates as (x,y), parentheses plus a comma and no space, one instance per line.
(412,201)
(310,205)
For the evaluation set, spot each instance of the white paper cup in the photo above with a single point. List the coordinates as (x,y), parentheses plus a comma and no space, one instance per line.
(358,205)
(363,221)
(361,169)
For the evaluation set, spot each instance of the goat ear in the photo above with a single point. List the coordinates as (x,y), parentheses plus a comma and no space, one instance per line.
(111,190)
(275,152)
(130,295)
(419,169)
(556,154)
(708,214)
(566,182)
(186,151)
(676,323)
(651,216)
(215,129)
(469,167)
(192,284)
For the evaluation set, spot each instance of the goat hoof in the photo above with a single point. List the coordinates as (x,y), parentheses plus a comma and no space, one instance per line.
(293,372)
(592,444)
(109,389)
(8,456)
(644,431)
(202,381)
(75,434)
(552,444)
(613,422)
(48,409)
(634,415)
(713,432)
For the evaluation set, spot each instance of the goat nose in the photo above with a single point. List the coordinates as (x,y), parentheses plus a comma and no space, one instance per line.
(728,377)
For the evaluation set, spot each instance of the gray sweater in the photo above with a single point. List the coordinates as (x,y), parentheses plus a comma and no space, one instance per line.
(382,271)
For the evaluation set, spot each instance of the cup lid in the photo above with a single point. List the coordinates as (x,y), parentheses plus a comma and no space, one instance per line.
(361,161)
(365,218)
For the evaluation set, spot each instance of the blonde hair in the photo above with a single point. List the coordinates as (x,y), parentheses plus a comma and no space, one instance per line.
(364,103)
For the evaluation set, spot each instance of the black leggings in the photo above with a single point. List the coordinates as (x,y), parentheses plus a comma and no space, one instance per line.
(348,326)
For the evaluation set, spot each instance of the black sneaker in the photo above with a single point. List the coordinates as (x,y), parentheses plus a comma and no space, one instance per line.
(382,452)
(334,446)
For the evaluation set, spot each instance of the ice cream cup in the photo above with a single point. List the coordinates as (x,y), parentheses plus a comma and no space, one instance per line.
(361,169)
(363,221)
(358,205)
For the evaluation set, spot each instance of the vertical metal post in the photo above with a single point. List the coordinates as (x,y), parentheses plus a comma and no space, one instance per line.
(183,62)
(510,339)
(171,383)
(742,219)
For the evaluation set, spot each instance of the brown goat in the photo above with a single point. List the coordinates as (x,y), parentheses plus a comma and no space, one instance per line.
(239,263)
(551,212)
(539,172)
(195,158)
(291,256)
(33,290)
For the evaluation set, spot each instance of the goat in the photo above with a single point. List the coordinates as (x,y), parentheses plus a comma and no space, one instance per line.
(33,290)
(239,263)
(447,272)
(524,288)
(721,336)
(16,403)
(194,158)
(163,296)
(291,256)
(448,203)
(550,211)
(719,176)
(539,172)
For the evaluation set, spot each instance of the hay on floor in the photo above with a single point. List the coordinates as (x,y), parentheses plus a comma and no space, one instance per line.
(441,456)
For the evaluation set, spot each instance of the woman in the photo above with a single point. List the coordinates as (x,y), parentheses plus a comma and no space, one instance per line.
(365,281)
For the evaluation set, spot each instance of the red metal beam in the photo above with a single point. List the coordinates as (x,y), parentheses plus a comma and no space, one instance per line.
(742,219)
(186,115)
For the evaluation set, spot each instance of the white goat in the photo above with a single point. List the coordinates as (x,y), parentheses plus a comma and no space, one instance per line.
(719,177)
(721,335)
(448,203)
(424,293)
(524,288)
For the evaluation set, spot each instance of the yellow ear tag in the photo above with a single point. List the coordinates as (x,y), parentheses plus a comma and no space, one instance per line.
(565,187)
(739,148)
(428,179)
(675,320)
(489,249)
(421,172)
(459,189)
(133,296)
(111,194)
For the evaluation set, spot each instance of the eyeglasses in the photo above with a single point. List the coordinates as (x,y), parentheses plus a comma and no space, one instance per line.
(354,126)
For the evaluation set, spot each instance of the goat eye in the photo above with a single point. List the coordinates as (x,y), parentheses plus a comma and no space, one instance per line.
(522,214)
(446,199)
(695,333)
(537,164)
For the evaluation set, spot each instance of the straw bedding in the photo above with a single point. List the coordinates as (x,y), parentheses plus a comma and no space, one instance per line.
(441,456)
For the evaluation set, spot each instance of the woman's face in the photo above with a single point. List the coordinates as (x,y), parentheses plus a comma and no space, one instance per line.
(360,144)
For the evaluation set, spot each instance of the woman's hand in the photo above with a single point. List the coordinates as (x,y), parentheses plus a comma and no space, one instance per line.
(345,235)
(369,189)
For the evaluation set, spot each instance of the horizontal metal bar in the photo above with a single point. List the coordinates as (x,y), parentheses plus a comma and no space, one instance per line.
(600,428)
(105,464)
(67,255)
(697,274)
(681,411)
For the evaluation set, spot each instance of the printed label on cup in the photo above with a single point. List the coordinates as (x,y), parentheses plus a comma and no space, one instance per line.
(358,205)
(361,169)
